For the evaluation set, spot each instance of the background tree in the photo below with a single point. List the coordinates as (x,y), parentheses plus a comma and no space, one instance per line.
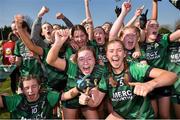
(4,31)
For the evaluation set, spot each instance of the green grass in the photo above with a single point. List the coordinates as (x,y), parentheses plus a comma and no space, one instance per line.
(5,88)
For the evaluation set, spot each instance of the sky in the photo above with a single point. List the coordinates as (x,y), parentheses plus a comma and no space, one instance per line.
(101,10)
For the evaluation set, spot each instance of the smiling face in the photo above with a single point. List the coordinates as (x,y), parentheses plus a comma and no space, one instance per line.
(31,89)
(129,38)
(152,30)
(99,36)
(80,38)
(115,54)
(86,61)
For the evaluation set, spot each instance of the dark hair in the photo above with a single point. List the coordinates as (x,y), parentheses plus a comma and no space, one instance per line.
(24,25)
(109,23)
(100,27)
(12,36)
(47,23)
(27,78)
(78,27)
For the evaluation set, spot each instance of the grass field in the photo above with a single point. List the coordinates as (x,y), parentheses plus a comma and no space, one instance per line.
(5,88)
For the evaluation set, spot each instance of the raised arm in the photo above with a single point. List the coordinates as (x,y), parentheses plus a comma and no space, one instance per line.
(126,6)
(52,58)
(25,36)
(175,35)
(36,28)
(65,19)
(89,20)
(154,10)
(136,15)
(159,77)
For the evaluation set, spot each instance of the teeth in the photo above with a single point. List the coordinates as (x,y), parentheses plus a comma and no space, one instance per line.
(86,68)
(115,59)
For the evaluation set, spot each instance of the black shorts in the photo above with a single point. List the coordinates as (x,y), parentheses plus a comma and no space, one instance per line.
(161,92)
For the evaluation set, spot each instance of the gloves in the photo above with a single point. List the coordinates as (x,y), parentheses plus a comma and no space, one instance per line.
(176,3)
(143,20)
(117,11)
(83,83)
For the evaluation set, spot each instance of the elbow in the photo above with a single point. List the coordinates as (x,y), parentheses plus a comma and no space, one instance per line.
(174,77)
(49,60)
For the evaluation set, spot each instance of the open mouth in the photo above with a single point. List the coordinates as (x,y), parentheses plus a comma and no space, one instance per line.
(130,43)
(86,70)
(48,33)
(99,39)
(115,60)
(31,97)
(154,33)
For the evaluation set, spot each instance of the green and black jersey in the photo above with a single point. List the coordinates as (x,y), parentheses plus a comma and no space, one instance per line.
(124,101)
(74,74)
(29,63)
(20,108)
(156,51)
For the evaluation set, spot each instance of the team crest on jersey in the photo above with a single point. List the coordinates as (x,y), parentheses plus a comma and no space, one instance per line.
(156,45)
(141,65)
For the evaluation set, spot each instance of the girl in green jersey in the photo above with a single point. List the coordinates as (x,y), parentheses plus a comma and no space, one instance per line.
(126,86)
(84,65)
(33,102)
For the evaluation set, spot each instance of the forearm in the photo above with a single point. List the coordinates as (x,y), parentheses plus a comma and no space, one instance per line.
(131,22)
(174,36)
(137,48)
(89,17)
(165,78)
(53,52)
(67,22)
(69,94)
(87,10)
(27,41)
(36,31)
(154,10)
(117,26)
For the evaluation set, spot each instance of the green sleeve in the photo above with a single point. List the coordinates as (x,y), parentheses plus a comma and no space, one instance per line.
(139,71)
(165,40)
(16,49)
(103,84)
(53,97)
(44,56)
(11,102)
